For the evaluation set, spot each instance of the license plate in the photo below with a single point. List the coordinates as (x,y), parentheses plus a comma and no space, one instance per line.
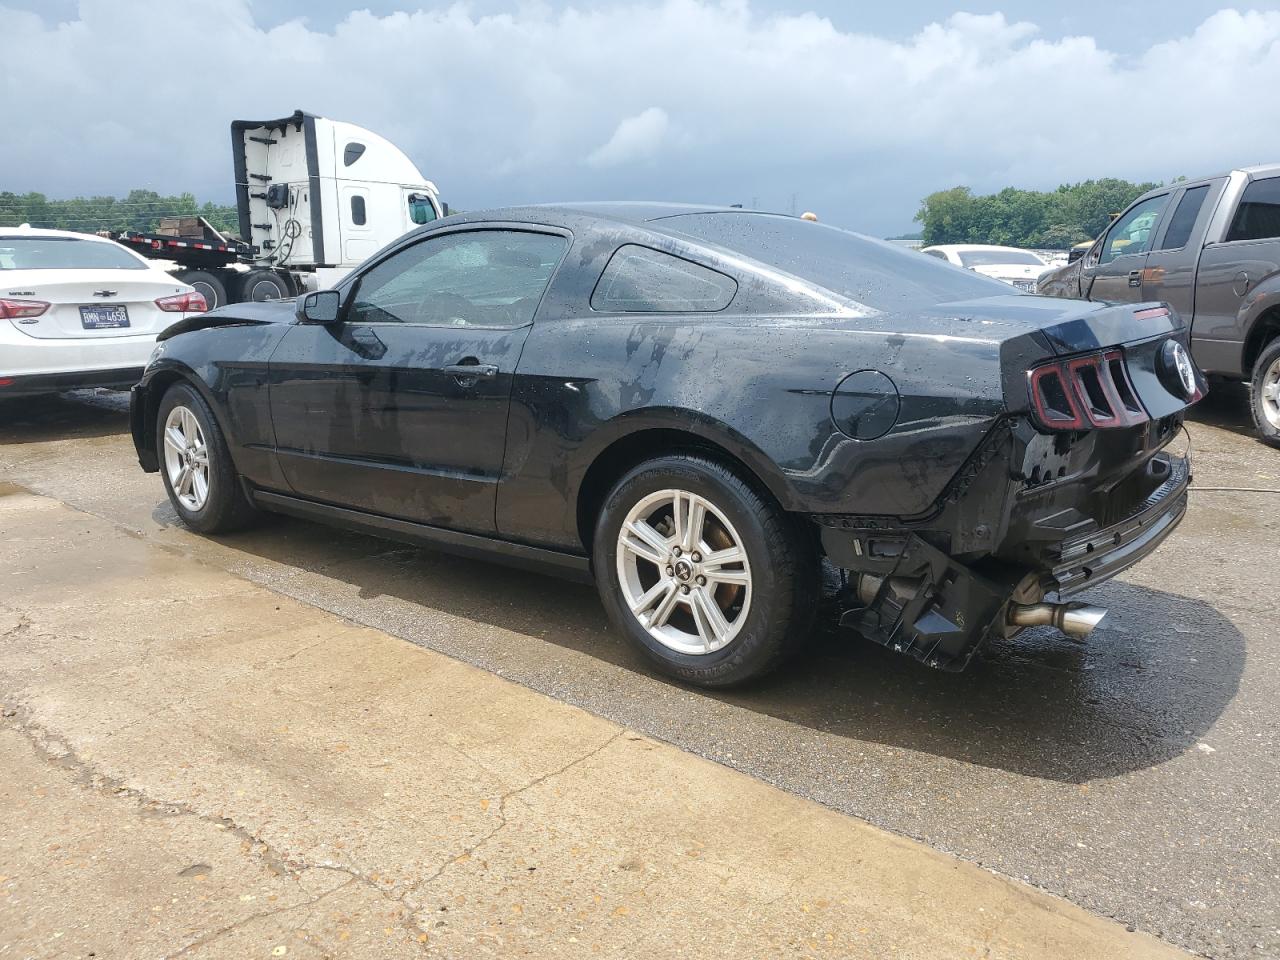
(104,318)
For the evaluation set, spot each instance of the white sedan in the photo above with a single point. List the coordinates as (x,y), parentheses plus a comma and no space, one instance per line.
(1020,268)
(79,311)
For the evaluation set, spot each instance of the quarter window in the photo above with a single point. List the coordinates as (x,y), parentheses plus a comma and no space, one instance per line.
(488,278)
(1258,217)
(640,280)
(1133,232)
(357,210)
(1184,218)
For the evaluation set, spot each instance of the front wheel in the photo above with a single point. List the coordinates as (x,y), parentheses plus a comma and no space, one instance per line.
(710,581)
(1264,393)
(196,466)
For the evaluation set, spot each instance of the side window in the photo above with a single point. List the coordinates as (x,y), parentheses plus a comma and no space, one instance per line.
(358,216)
(937,253)
(484,278)
(1184,218)
(420,209)
(351,153)
(1258,217)
(1133,232)
(640,280)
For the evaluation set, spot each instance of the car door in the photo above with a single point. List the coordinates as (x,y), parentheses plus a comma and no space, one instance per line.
(1227,295)
(1170,271)
(1114,271)
(399,407)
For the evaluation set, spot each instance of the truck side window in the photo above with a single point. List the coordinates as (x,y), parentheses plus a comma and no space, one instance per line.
(1184,218)
(357,210)
(1133,232)
(420,209)
(1258,217)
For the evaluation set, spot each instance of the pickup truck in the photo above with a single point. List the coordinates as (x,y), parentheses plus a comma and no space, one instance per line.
(1210,249)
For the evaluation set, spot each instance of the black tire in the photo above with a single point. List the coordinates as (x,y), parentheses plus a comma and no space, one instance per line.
(226,507)
(208,284)
(783,564)
(1265,371)
(261,284)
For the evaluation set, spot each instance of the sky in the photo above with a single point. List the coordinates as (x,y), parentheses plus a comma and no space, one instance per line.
(856,111)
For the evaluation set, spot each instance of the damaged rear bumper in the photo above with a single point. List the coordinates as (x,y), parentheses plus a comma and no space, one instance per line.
(939,610)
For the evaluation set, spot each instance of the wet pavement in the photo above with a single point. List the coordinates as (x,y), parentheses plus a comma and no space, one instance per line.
(1135,774)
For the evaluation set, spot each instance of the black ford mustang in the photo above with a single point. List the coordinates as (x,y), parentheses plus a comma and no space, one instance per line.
(692,406)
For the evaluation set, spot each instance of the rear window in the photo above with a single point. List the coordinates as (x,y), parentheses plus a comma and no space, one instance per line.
(640,280)
(64,253)
(867,271)
(1259,215)
(995,258)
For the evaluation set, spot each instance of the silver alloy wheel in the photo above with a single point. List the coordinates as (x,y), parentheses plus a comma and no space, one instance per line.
(1271,393)
(684,572)
(186,458)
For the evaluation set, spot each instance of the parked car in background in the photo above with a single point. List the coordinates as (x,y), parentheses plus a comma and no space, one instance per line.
(1210,249)
(1019,268)
(691,407)
(80,311)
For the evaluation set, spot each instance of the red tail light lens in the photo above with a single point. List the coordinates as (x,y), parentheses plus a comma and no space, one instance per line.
(1087,392)
(18,309)
(183,303)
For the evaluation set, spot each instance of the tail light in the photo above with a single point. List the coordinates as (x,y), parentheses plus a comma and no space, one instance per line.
(1087,392)
(20,309)
(183,303)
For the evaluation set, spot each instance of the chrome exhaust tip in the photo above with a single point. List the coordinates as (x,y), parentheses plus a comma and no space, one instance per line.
(1073,619)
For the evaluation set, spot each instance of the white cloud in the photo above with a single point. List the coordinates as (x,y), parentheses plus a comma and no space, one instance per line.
(636,138)
(504,108)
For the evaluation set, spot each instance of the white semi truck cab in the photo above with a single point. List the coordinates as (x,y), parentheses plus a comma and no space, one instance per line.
(315,198)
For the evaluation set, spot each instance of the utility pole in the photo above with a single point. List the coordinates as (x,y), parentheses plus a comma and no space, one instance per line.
(793,204)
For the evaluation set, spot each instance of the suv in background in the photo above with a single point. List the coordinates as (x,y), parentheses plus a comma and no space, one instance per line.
(1209,248)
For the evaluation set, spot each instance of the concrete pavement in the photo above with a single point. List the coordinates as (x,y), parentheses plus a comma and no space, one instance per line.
(193,765)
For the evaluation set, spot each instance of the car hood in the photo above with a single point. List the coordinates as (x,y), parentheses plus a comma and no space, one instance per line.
(235,314)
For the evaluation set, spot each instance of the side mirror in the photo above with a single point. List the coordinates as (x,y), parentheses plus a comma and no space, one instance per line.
(319,307)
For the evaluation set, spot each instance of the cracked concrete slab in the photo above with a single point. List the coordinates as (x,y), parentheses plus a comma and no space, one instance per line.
(193,765)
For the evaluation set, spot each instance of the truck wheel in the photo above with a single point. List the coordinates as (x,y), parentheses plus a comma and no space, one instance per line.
(208,285)
(259,285)
(711,582)
(1264,393)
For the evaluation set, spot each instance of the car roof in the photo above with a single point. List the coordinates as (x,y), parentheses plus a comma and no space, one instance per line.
(11,233)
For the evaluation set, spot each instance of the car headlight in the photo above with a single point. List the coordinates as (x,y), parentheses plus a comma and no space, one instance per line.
(156,354)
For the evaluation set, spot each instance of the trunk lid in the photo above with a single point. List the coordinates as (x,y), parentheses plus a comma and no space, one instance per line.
(118,303)
(1033,330)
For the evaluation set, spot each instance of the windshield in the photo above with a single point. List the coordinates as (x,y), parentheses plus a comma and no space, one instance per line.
(996,258)
(64,253)
(867,271)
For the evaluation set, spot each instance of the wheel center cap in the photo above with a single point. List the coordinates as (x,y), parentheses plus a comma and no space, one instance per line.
(684,570)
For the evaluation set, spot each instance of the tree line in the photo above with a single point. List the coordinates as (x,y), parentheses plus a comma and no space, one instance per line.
(140,210)
(1053,220)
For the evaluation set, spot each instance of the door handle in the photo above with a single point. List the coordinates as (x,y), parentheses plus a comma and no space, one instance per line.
(1135,278)
(475,370)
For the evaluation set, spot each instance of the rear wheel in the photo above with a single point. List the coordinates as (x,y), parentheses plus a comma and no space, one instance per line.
(259,285)
(1264,393)
(209,285)
(196,466)
(711,582)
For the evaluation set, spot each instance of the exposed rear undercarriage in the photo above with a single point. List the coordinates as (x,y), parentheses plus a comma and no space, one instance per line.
(1030,515)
